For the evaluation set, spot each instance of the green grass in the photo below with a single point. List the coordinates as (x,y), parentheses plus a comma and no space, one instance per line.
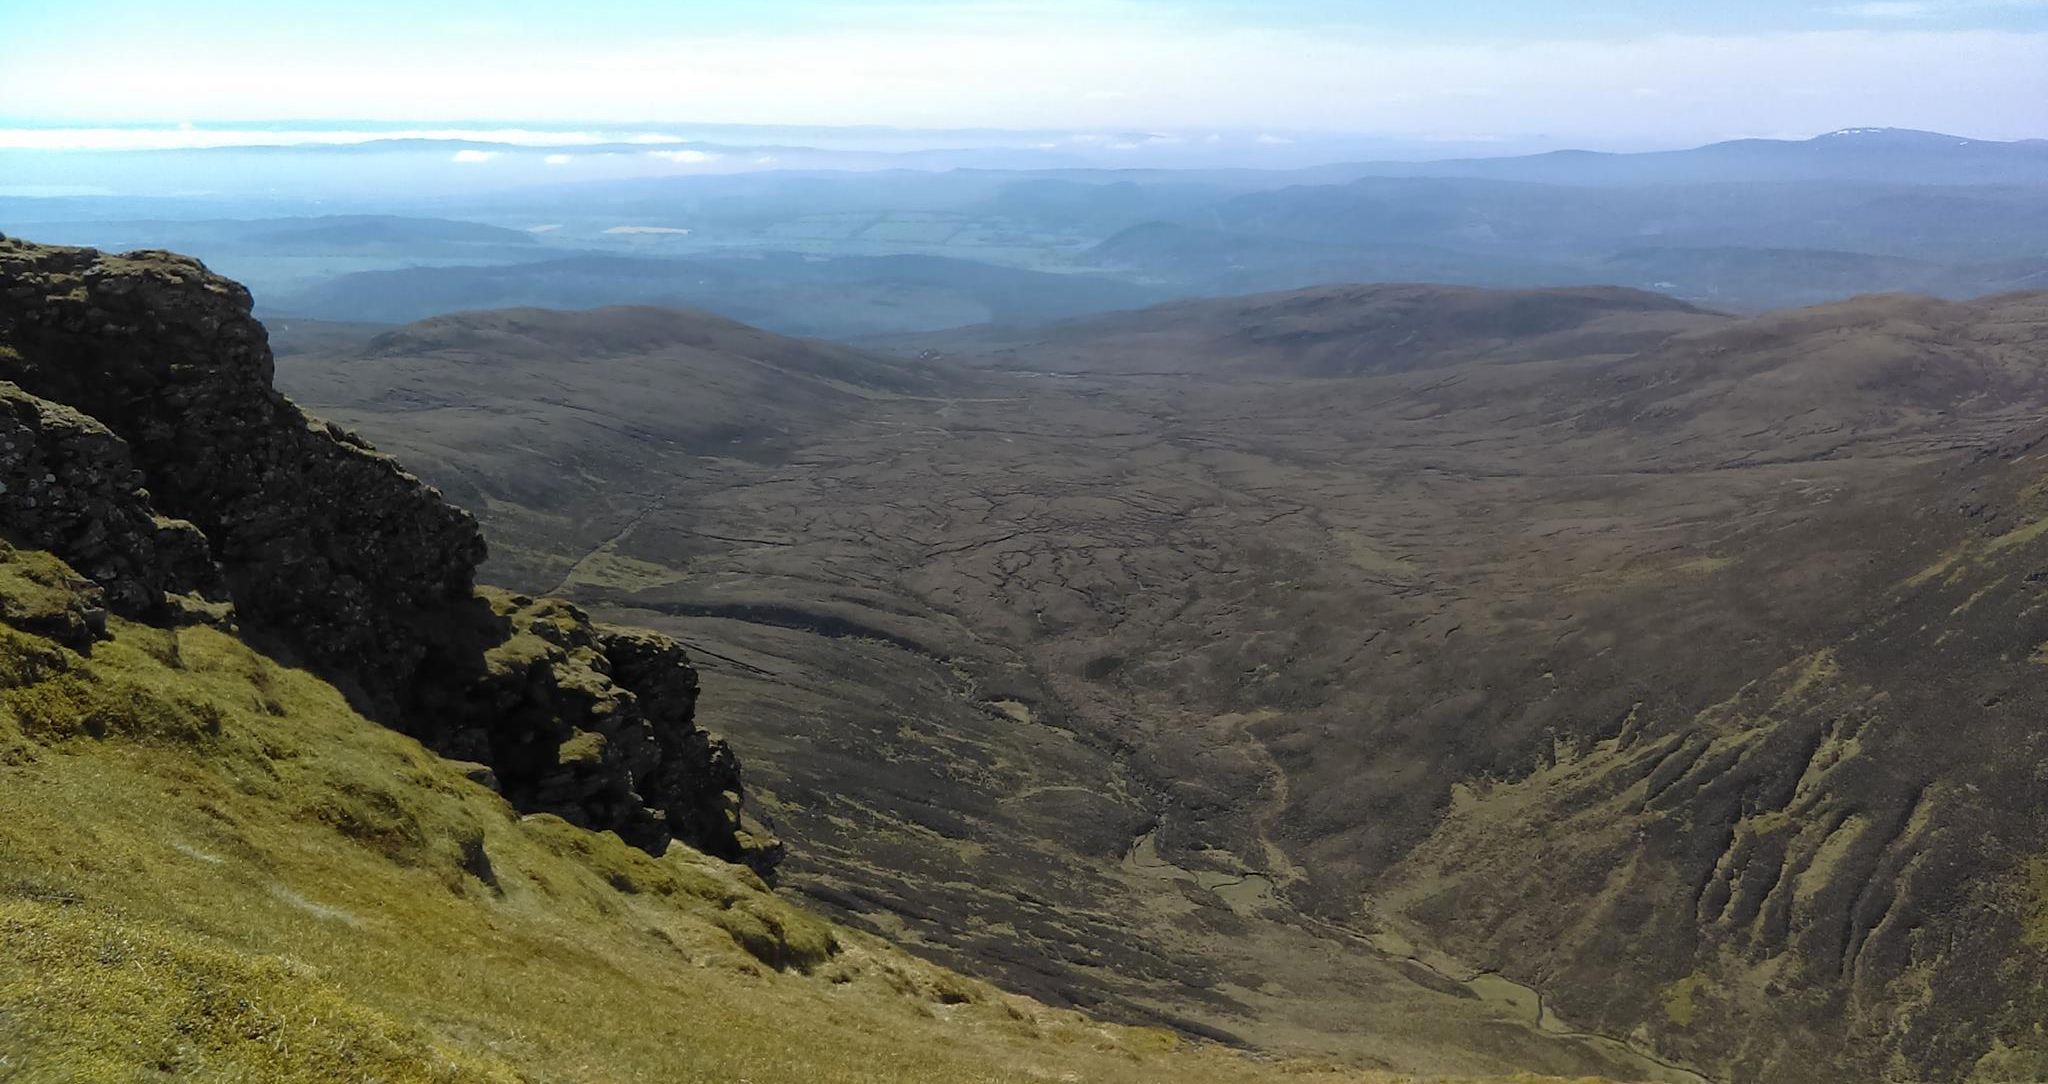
(112,1000)
(2034,921)
(1679,1007)
(2018,536)
(38,591)
(211,868)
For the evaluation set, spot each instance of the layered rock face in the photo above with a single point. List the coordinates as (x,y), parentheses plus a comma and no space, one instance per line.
(142,441)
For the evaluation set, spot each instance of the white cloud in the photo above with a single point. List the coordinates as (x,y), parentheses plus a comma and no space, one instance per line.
(1150,139)
(559,159)
(189,136)
(1271,140)
(472,157)
(689,158)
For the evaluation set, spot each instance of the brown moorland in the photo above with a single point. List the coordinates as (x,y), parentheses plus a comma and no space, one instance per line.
(1430,678)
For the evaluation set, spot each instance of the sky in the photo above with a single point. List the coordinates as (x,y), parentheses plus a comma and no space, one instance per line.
(1607,73)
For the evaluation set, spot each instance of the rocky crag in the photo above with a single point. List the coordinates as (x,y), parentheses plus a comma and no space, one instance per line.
(141,440)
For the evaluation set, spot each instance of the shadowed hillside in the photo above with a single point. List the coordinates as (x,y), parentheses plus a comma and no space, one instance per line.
(1333,331)
(791,292)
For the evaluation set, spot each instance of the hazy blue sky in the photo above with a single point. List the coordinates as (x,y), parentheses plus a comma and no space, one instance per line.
(1596,71)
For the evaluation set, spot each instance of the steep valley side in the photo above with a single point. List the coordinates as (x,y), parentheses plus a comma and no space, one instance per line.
(947,792)
(1282,709)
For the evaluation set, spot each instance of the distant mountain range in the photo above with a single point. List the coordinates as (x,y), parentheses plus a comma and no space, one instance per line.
(411,166)
(1883,155)
(401,229)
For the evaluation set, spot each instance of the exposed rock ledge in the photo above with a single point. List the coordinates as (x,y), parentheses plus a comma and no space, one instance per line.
(142,441)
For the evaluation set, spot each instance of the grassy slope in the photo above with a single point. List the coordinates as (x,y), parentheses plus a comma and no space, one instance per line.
(210,867)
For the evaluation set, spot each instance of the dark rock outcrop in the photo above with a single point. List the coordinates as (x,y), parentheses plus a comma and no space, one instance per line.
(589,722)
(141,440)
(68,485)
(322,540)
